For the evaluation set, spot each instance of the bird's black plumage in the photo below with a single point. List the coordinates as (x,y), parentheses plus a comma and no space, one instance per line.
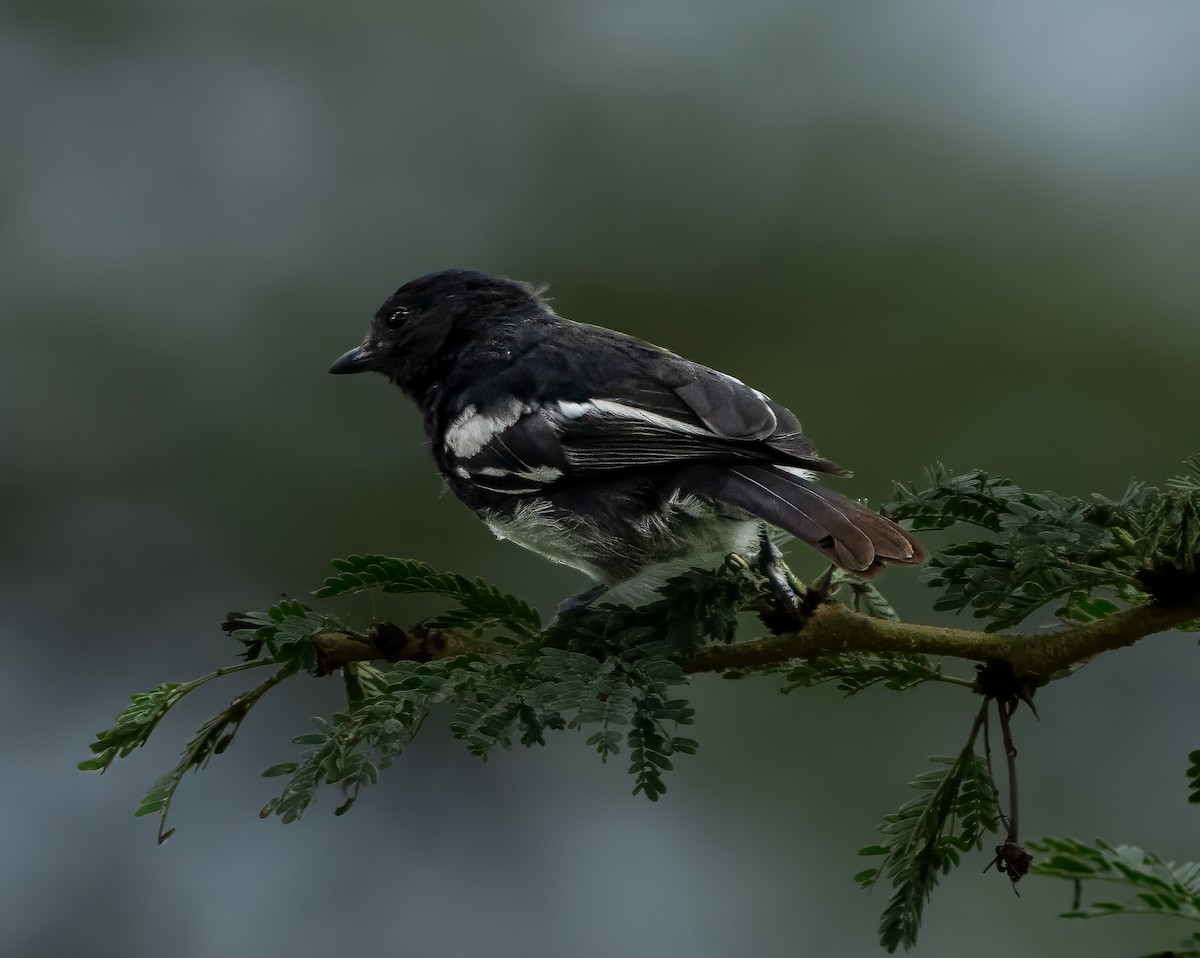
(602,451)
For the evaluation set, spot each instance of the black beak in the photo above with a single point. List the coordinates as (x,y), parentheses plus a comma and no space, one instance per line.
(360,359)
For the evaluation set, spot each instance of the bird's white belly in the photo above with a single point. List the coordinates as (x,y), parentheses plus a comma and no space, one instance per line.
(689,535)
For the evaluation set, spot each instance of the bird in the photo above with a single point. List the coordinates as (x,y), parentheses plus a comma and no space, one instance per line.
(604,452)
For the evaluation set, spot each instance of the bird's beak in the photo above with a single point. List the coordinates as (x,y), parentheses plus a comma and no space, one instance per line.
(360,359)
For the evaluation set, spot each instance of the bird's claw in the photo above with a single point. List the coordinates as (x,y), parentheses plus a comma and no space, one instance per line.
(790,603)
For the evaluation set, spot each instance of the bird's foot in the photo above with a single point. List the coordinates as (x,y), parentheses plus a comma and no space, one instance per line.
(789,603)
(581,600)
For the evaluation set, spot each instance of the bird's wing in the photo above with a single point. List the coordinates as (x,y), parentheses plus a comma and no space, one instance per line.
(664,406)
(599,434)
(602,401)
(522,447)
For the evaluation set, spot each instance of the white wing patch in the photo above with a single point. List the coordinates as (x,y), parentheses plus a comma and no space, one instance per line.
(797,471)
(542,474)
(471,430)
(618,410)
(538,476)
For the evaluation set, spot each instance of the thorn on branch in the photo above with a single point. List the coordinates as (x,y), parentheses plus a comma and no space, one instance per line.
(1012,860)
(995,679)
(1171,585)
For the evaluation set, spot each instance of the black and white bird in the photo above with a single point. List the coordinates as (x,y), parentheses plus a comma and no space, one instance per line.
(603,452)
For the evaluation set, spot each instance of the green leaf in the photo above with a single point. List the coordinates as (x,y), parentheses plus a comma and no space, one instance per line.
(924,838)
(855,671)
(1047,547)
(1188,948)
(1083,608)
(212,738)
(482,604)
(1193,774)
(867,877)
(134,724)
(352,746)
(1154,886)
(974,498)
(861,595)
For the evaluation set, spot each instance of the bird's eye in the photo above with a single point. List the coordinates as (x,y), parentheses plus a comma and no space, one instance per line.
(396,317)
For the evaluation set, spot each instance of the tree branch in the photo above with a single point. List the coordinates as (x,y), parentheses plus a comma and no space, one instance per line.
(832,628)
(389,642)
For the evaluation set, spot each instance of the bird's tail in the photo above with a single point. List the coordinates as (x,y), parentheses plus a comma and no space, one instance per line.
(850,534)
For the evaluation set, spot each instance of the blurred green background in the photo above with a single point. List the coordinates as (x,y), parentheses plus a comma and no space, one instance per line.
(963,233)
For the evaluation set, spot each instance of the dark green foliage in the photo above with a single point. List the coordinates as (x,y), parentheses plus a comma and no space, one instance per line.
(854,671)
(697,607)
(212,738)
(614,672)
(350,748)
(1188,948)
(1050,547)
(513,695)
(861,595)
(926,837)
(1083,608)
(650,741)
(586,691)
(609,670)
(136,723)
(1150,885)
(133,725)
(701,606)
(480,605)
(284,631)
(288,637)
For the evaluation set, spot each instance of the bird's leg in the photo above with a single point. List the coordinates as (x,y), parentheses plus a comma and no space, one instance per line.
(581,600)
(789,610)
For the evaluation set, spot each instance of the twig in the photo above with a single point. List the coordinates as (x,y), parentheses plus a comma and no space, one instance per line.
(987,755)
(1010,750)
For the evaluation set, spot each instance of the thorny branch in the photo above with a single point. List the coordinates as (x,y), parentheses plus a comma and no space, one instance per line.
(1034,658)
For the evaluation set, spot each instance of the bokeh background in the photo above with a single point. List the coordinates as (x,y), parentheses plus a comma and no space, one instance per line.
(939,232)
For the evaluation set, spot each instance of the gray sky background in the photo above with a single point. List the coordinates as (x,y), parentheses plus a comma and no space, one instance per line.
(937,232)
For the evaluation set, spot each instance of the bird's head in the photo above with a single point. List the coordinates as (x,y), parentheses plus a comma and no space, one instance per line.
(409,330)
